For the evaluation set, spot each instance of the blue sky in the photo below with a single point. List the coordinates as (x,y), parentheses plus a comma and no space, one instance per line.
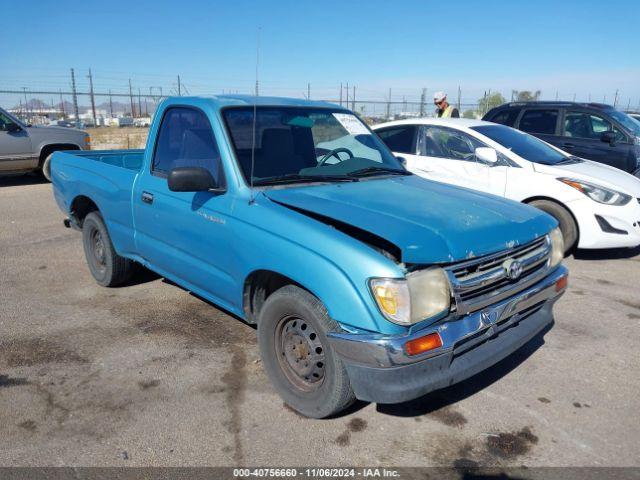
(571,47)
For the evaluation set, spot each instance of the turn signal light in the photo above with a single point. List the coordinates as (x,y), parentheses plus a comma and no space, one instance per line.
(423,344)
(562,283)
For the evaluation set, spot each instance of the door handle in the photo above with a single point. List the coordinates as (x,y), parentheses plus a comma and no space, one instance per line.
(568,145)
(147,197)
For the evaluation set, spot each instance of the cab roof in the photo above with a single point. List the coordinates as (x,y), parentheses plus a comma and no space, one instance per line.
(222,101)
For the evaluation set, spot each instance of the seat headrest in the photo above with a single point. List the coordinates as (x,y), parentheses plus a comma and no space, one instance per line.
(278,141)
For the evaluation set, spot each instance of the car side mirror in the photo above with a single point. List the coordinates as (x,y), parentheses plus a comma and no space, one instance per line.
(192,179)
(402,160)
(13,127)
(608,137)
(487,155)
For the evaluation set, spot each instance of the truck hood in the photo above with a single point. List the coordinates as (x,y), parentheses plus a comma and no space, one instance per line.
(429,222)
(596,173)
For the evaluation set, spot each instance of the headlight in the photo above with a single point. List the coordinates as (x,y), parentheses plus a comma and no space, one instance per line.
(557,246)
(597,193)
(423,294)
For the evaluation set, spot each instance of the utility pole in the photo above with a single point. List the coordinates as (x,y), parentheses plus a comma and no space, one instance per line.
(423,101)
(556,95)
(180,87)
(574,97)
(93,100)
(615,99)
(131,100)
(389,105)
(75,96)
(347,95)
(308,91)
(353,99)
(26,103)
(62,105)
(110,104)
(459,94)
(139,103)
(340,93)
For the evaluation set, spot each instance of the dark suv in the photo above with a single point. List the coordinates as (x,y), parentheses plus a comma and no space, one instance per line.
(589,130)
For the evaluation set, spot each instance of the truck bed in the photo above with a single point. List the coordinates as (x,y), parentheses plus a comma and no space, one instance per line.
(129,159)
(107,178)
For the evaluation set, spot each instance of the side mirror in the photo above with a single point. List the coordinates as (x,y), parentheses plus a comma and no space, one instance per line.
(402,160)
(192,179)
(608,137)
(487,155)
(13,127)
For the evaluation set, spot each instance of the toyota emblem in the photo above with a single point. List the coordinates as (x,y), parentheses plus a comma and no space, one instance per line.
(512,269)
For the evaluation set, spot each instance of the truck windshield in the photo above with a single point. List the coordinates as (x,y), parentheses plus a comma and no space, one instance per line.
(300,144)
(522,144)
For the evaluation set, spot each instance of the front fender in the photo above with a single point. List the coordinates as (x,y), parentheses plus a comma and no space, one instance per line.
(332,265)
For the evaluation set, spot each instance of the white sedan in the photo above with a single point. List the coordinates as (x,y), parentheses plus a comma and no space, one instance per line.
(597,206)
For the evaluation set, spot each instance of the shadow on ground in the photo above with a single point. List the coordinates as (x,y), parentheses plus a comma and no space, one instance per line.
(607,253)
(18,180)
(448,396)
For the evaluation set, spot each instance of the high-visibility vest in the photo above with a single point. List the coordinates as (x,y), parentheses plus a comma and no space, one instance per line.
(447,112)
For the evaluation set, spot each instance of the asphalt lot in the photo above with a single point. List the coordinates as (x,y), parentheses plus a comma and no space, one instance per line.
(149,375)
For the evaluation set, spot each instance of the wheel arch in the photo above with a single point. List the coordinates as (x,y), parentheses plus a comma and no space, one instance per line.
(258,286)
(561,205)
(80,207)
(47,149)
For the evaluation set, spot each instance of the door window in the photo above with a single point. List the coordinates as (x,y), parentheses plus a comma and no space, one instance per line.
(506,117)
(186,139)
(589,126)
(400,139)
(539,121)
(447,143)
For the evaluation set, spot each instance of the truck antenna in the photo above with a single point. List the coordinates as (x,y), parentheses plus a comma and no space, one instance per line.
(255,108)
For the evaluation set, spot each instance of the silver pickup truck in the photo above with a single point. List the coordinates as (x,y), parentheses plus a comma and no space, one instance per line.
(25,148)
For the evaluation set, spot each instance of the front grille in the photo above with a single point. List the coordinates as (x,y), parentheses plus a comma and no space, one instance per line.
(480,282)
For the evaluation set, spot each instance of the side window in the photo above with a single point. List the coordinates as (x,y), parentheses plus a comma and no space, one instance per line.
(446,143)
(506,117)
(399,139)
(539,121)
(584,125)
(185,139)
(4,121)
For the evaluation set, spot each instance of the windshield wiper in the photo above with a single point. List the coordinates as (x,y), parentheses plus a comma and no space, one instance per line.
(370,171)
(297,178)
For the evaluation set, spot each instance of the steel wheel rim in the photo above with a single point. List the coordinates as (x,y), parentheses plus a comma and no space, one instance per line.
(98,250)
(300,353)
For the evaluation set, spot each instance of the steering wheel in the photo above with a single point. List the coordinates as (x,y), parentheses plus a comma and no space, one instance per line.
(334,153)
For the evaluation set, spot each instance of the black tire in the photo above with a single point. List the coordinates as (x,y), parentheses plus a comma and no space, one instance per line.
(46,167)
(325,389)
(107,267)
(568,225)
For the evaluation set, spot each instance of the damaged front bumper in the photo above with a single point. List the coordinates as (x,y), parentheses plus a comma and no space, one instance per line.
(381,371)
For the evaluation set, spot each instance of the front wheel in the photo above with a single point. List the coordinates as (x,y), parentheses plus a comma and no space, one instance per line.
(107,267)
(297,356)
(568,225)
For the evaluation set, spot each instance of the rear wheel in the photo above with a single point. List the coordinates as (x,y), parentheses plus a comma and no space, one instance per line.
(568,225)
(297,356)
(107,267)
(46,167)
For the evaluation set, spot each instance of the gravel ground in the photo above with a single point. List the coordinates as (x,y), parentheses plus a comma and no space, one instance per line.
(149,375)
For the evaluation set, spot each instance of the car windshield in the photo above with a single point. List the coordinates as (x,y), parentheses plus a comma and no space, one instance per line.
(300,144)
(522,144)
(626,121)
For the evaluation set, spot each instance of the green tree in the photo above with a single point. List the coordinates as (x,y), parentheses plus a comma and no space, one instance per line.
(488,102)
(469,114)
(526,95)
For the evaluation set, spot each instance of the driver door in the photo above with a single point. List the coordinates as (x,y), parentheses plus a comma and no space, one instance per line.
(15,146)
(448,155)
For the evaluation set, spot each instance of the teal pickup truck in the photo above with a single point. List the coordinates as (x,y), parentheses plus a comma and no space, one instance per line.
(364,280)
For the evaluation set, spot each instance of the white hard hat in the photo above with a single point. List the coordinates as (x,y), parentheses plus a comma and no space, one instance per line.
(439,96)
